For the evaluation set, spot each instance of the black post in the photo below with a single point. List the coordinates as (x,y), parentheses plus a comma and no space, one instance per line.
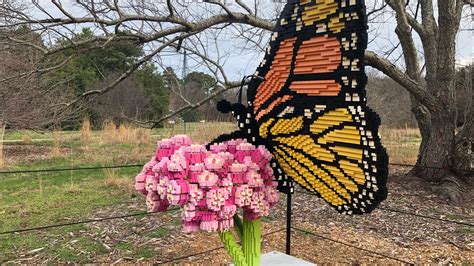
(288,223)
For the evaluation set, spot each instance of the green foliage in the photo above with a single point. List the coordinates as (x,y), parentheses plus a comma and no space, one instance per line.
(91,64)
(191,116)
(201,82)
(154,86)
(95,64)
(194,87)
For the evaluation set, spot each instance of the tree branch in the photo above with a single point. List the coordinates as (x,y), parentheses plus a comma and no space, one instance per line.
(38,70)
(389,69)
(126,73)
(416,25)
(244,6)
(403,31)
(170,7)
(429,38)
(195,105)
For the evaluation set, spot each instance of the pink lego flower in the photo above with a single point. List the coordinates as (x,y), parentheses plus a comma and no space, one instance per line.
(207,179)
(195,194)
(254,179)
(214,162)
(177,166)
(258,204)
(207,215)
(178,192)
(268,172)
(244,149)
(227,212)
(190,227)
(162,187)
(140,183)
(215,199)
(182,140)
(155,204)
(163,149)
(209,226)
(243,196)
(189,212)
(271,195)
(151,183)
(218,147)
(148,167)
(227,185)
(232,146)
(238,172)
(211,185)
(225,225)
(250,164)
(195,153)
(161,168)
(194,171)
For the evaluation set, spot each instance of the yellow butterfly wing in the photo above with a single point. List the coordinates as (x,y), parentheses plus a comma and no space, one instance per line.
(332,154)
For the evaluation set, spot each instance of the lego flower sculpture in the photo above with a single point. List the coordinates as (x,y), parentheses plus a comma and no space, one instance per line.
(211,186)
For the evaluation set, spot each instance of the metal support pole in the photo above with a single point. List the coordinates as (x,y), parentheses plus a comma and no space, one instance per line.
(288,223)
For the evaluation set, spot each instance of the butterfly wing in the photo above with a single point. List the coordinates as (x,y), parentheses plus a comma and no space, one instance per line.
(333,154)
(310,109)
(317,50)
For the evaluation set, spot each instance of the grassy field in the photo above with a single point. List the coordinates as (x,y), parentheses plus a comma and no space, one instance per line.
(37,199)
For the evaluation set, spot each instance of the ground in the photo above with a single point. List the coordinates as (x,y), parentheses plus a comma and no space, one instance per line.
(31,200)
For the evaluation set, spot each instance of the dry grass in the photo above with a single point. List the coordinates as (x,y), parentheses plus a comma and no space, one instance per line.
(126,143)
(57,143)
(199,132)
(400,134)
(124,134)
(204,132)
(402,144)
(2,134)
(113,181)
(72,188)
(86,132)
(26,139)
(109,131)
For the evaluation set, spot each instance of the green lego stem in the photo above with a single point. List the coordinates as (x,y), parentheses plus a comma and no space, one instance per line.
(249,253)
(238,225)
(234,250)
(251,241)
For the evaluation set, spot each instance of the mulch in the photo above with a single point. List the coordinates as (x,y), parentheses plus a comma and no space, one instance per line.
(402,237)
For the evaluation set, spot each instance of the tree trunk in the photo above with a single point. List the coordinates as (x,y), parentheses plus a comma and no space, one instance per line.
(423,119)
(437,159)
(436,154)
(464,149)
(445,159)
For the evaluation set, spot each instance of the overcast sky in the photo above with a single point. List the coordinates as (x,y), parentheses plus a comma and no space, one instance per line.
(243,62)
(239,64)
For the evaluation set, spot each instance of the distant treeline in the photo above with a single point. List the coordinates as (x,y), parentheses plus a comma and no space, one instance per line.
(39,92)
(393,103)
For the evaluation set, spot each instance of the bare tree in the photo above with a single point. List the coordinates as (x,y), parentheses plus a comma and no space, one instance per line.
(427,72)
(127,100)
(29,99)
(429,76)
(390,100)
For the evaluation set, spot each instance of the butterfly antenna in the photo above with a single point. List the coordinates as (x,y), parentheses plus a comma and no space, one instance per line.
(245,81)
(242,84)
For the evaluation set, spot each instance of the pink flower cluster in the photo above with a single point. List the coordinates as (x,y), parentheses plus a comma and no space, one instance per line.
(209,185)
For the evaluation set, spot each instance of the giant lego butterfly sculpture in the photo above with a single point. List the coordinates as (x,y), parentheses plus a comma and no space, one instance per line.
(307,105)
(305,122)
